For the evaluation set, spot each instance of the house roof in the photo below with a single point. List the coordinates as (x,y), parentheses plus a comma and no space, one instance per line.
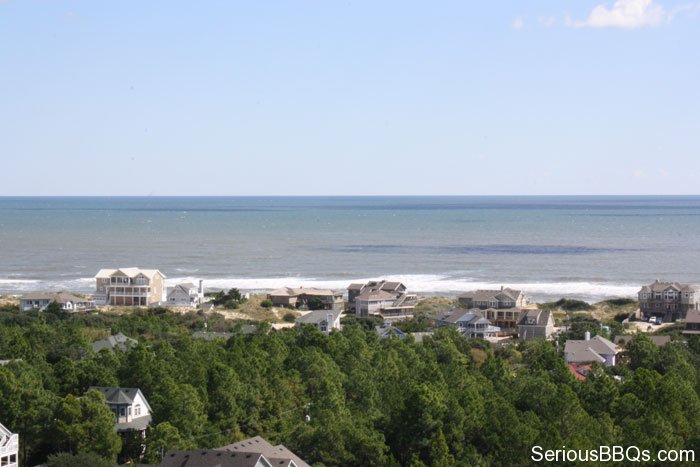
(4,432)
(115,395)
(387,330)
(661,286)
(488,295)
(376,295)
(210,335)
(579,370)
(387,286)
(583,355)
(129,272)
(535,318)
(295,292)
(138,423)
(693,316)
(660,341)
(460,314)
(599,344)
(59,297)
(261,445)
(118,340)
(213,458)
(318,316)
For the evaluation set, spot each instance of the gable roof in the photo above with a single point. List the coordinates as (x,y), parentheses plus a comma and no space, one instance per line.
(295,292)
(661,286)
(118,340)
(376,295)
(129,272)
(693,316)
(597,344)
(213,458)
(659,341)
(59,297)
(318,316)
(535,318)
(455,315)
(387,330)
(484,295)
(261,445)
(115,395)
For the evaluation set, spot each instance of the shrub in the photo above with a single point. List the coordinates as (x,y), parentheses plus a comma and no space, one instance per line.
(267,303)
(289,318)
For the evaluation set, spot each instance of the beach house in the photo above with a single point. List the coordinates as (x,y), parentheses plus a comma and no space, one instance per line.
(185,294)
(384,298)
(470,323)
(589,350)
(669,301)
(324,320)
(536,324)
(129,287)
(69,303)
(306,298)
(692,323)
(502,307)
(9,448)
(129,406)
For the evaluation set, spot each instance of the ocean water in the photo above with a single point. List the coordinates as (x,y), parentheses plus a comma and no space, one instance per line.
(582,247)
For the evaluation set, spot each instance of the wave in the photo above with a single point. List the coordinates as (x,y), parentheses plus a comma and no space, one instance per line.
(431,284)
(426,284)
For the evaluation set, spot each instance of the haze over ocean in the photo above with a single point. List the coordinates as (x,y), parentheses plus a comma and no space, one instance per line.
(579,246)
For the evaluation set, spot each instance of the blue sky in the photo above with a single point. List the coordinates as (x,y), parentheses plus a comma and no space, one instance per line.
(353,97)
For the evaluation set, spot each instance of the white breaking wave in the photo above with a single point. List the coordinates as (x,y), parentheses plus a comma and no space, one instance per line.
(427,284)
(419,283)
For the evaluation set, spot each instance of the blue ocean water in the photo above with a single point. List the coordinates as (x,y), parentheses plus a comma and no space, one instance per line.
(585,247)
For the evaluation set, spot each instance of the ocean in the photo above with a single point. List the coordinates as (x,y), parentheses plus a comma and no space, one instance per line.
(587,247)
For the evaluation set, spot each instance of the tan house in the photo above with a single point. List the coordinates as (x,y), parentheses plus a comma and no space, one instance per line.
(669,301)
(129,287)
(497,299)
(388,299)
(299,298)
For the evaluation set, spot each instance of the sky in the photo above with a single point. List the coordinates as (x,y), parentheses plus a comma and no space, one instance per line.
(331,97)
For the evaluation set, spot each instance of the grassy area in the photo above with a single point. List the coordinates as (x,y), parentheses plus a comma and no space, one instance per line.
(433,306)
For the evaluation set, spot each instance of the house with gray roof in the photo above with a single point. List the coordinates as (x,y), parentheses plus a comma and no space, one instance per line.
(669,301)
(659,341)
(252,452)
(116,342)
(185,294)
(387,331)
(289,297)
(69,302)
(384,298)
(9,448)
(324,320)
(536,324)
(129,406)
(692,323)
(589,350)
(470,323)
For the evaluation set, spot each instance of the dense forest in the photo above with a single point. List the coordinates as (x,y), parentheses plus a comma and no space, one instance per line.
(345,399)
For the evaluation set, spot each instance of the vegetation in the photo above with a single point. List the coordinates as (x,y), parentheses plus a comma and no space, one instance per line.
(267,303)
(445,401)
(567,304)
(231,299)
(619,302)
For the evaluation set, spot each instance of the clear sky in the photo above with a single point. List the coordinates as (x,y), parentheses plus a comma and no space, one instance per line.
(349,97)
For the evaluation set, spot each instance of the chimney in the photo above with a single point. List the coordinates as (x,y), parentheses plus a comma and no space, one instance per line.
(587,335)
(501,288)
(201,287)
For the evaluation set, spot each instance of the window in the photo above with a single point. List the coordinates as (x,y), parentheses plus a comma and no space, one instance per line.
(137,410)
